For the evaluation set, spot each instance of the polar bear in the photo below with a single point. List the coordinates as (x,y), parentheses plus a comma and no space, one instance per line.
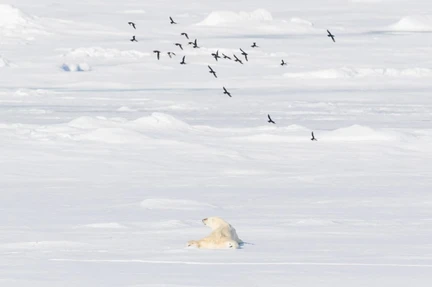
(223,235)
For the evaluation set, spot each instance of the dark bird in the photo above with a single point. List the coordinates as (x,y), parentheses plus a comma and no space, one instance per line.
(313,137)
(132,24)
(270,120)
(212,72)
(226,92)
(133,39)
(244,54)
(237,60)
(226,57)
(185,34)
(331,36)
(170,54)
(283,63)
(179,45)
(254,45)
(195,44)
(172,21)
(157,53)
(216,55)
(183,61)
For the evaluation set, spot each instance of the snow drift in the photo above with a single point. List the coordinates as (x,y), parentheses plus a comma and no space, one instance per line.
(259,20)
(413,24)
(14,22)
(4,62)
(217,18)
(359,133)
(103,53)
(346,72)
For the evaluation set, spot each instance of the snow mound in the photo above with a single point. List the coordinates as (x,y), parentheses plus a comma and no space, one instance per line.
(4,62)
(174,204)
(413,24)
(136,11)
(358,133)
(125,109)
(98,52)
(160,121)
(218,18)
(361,73)
(32,92)
(120,130)
(13,21)
(154,121)
(301,21)
(82,67)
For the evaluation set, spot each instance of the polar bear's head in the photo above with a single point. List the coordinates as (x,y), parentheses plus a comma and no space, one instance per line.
(193,243)
(214,222)
(232,244)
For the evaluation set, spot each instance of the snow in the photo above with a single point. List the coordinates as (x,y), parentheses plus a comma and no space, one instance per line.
(104,53)
(347,72)
(82,67)
(4,62)
(14,22)
(216,18)
(110,158)
(420,23)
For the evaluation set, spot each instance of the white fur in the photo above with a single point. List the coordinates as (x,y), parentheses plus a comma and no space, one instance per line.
(223,235)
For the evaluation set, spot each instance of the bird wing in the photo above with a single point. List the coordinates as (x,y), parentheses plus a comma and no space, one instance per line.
(269,117)
(184,58)
(171,19)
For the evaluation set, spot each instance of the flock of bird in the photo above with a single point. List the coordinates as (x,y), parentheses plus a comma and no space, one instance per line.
(216,56)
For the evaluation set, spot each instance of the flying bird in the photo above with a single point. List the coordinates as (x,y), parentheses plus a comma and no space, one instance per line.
(133,39)
(170,54)
(183,61)
(179,45)
(237,60)
(216,55)
(226,92)
(157,53)
(254,45)
(283,63)
(226,57)
(212,72)
(185,34)
(313,137)
(331,36)
(270,120)
(244,54)
(195,44)
(132,24)
(172,21)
